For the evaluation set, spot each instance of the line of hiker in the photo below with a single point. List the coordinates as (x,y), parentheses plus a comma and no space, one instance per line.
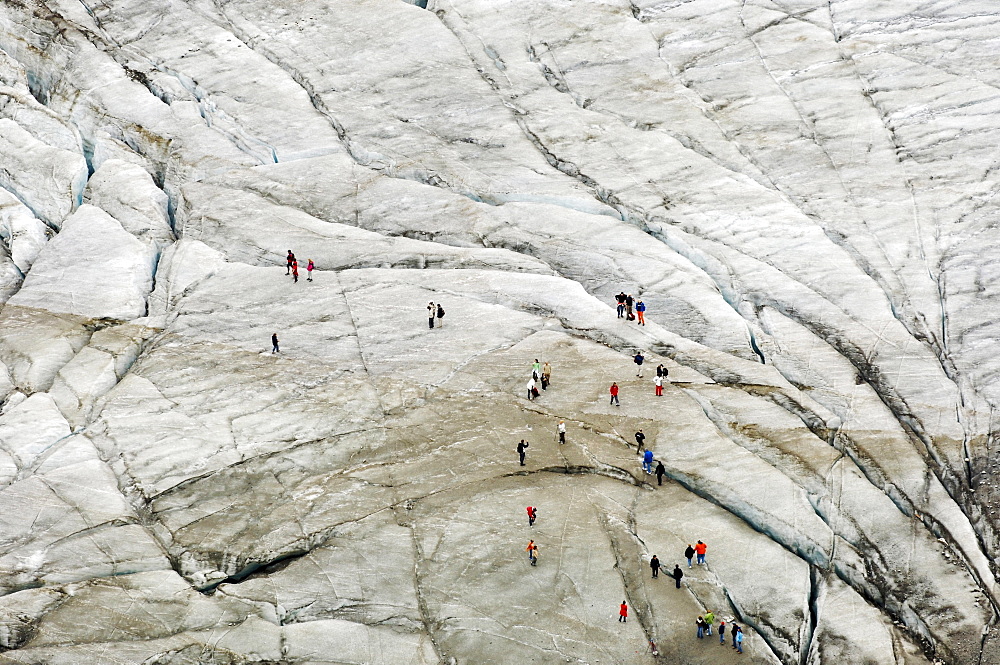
(292,268)
(625,305)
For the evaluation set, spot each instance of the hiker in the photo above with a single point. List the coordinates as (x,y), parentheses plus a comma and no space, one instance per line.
(640,311)
(660,472)
(562,431)
(738,639)
(638,361)
(689,554)
(532,390)
(536,369)
(654,563)
(431,311)
(532,550)
(677,575)
(628,307)
(531,515)
(274,343)
(620,298)
(722,632)
(309,270)
(521,447)
(735,629)
(546,375)
(647,461)
(639,439)
(289,260)
(709,620)
(440,315)
(658,382)
(623,612)
(661,371)
(295,272)
(700,549)
(701,627)
(614,394)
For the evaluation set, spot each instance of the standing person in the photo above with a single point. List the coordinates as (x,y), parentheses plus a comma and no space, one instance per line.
(709,620)
(661,371)
(288,262)
(521,447)
(738,639)
(295,272)
(623,612)
(620,298)
(431,311)
(531,515)
(722,632)
(701,627)
(440,315)
(700,550)
(546,375)
(614,394)
(531,387)
(638,359)
(689,554)
(658,382)
(647,461)
(660,472)
(274,343)
(309,270)
(654,563)
(628,307)
(735,629)
(536,369)
(640,310)
(562,431)
(532,550)
(639,439)
(678,574)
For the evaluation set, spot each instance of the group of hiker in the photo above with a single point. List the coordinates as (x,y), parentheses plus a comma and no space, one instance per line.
(625,305)
(435,312)
(539,374)
(292,267)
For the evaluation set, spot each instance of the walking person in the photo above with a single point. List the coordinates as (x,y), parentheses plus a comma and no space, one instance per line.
(654,564)
(614,394)
(440,315)
(546,375)
(620,298)
(562,431)
(309,270)
(647,461)
(722,632)
(431,311)
(700,550)
(289,260)
(709,620)
(701,627)
(521,447)
(639,439)
(295,272)
(640,311)
(532,514)
(274,343)
(678,574)
(658,382)
(638,360)
(532,550)
(623,612)
(660,472)
(689,554)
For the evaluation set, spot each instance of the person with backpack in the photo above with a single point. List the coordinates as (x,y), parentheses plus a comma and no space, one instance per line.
(639,440)
(701,627)
(309,270)
(289,260)
(638,360)
(521,447)
(532,514)
(431,311)
(678,574)
(654,564)
(440,315)
(614,394)
(689,554)
(709,620)
(640,310)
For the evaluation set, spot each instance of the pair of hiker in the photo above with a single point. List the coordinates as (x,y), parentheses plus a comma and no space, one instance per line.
(434,311)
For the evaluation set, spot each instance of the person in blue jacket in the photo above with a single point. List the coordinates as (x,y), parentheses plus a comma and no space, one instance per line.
(647,461)
(638,360)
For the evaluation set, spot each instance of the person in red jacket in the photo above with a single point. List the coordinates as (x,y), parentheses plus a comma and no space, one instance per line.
(614,394)
(623,612)
(531,515)
(295,271)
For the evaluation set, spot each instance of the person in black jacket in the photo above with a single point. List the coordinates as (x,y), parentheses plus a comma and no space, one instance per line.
(639,438)
(677,575)
(521,447)
(660,472)
(654,563)
(274,343)
(621,304)
(689,554)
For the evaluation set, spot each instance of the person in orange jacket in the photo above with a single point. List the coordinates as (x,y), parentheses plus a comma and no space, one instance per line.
(532,550)
(700,550)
